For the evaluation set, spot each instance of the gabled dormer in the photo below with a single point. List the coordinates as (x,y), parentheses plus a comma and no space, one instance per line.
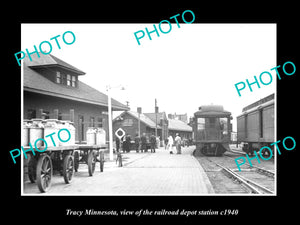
(55,69)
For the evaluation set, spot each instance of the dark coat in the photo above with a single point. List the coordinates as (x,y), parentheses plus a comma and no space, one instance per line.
(137,139)
(153,139)
(143,139)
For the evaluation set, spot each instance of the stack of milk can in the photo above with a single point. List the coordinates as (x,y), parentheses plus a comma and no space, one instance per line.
(95,136)
(38,129)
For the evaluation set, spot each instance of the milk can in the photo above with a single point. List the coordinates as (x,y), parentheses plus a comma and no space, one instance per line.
(26,128)
(65,135)
(91,136)
(49,128)
(36,131)
(100,136)
(72,131)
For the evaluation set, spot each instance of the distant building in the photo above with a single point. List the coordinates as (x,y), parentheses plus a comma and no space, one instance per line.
(129,120)
(182,117)
(162,122)
(52,90)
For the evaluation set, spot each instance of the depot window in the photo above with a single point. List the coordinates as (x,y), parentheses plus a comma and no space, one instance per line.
(66,79)
(128,122)
(73,81)
(100,122)
(58,77)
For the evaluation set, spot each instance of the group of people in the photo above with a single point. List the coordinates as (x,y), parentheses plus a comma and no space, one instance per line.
(141,144)
(170,142)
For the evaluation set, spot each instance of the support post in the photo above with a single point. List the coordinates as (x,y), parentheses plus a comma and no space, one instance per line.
(111,154)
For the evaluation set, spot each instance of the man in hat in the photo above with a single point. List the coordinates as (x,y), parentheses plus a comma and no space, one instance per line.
(137,140)
(144,143)
(152,143)
(170,144)
(178,143)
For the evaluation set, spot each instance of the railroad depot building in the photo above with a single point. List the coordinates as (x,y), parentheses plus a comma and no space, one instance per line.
(52,90)
(129,122)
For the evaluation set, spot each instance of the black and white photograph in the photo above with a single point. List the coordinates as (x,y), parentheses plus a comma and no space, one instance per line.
(181,110)
(150,116)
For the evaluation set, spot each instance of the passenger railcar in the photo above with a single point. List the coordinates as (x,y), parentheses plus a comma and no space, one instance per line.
(255,126)
(212,130)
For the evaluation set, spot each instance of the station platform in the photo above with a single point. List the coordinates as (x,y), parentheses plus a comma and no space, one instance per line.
(159,173)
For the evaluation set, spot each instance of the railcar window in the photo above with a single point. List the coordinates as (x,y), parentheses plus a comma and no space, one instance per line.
(201,123)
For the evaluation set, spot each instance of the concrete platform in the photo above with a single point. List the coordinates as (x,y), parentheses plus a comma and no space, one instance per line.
(157,173)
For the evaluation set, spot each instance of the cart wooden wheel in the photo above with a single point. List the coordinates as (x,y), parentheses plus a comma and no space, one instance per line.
(101,161)
(76,160)
(32,169)
(92,162)
(68,168)
(44,173)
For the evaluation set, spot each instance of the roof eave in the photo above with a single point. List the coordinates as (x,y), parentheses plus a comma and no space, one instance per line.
(77,72)
(49,93)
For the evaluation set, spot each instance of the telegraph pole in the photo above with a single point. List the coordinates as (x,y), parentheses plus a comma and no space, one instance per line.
(139,110)
(156,111)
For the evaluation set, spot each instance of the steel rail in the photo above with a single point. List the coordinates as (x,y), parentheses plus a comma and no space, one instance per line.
(258,169)
(240,180)
(253,186)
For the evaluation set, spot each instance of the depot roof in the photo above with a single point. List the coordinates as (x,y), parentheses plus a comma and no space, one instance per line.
(50,61)
(37,83)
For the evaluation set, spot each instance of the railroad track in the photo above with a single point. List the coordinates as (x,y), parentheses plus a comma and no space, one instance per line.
(247,185)
(252,186)
(257,169)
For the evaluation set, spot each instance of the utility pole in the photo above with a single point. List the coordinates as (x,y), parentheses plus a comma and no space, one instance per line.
(139,110)
(156,111)
(110,127)
(110,136)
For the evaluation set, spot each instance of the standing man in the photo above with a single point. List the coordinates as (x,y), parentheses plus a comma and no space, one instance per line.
(124,144)
(152,143)
(128,143)
(137,140)
(158,142)
(178,143)
(166,143)
(170,144)
(117,144)
(143,143)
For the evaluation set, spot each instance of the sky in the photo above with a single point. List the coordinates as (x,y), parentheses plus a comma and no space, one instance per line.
(190,66)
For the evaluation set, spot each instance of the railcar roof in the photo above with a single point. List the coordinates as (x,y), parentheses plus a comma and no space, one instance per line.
(212,110)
